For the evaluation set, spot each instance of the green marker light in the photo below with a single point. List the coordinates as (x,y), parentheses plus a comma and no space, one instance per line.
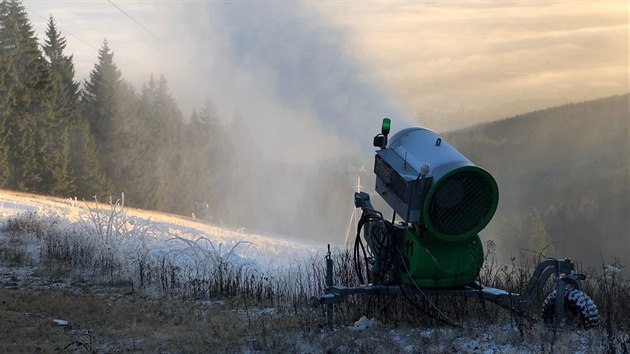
(387,123)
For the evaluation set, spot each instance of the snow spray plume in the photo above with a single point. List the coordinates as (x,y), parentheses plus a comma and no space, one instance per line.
(287,73)
(305,102)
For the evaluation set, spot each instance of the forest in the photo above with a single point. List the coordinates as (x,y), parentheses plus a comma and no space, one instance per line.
(99,137)
(563,176)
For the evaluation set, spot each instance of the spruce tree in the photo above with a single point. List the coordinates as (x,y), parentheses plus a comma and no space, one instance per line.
(201,136)
(161,135)
(170,142)
(539,238)
(25,82)
(4,106)
(76,148)
(145,189)
(4,146)
(99,97)
(63,104)
(85,164)
(110,106)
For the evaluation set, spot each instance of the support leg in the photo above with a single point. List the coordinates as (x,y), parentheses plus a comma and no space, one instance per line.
(329,284)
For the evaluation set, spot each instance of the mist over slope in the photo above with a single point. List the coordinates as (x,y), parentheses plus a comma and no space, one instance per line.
(563,175)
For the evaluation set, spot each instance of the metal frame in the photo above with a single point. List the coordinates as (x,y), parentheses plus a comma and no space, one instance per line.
(562,269)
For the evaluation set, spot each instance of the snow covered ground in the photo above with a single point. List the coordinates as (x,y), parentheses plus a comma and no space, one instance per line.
(188,242)
(169,232)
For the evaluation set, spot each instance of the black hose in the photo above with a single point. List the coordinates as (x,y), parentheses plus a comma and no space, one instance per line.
(384,253)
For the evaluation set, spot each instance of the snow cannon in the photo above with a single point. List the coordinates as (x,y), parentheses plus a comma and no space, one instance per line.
(444,201)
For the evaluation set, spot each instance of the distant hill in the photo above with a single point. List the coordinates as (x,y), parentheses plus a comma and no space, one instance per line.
(563,175)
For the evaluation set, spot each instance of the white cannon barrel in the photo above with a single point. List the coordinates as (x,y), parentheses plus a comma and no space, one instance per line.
(427,181)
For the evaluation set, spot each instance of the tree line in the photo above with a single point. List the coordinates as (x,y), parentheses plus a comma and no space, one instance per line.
(564,179)
(99,137)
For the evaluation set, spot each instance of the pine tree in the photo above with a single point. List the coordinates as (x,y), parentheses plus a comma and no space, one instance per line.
(110,105)
(145,189)
(99,98)
(4,106)
(4,146)
(161,150)
(85,165)
(202,139)
(78,171)
(540,240)
(25,82)
(64,109)
(170,140)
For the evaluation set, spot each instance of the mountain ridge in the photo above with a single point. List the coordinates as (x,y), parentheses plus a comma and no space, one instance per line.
(570,166)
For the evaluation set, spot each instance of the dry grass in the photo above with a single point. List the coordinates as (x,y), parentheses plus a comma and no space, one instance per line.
(117,296)
(133,323)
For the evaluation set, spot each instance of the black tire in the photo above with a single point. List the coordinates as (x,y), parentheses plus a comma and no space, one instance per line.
(578,307)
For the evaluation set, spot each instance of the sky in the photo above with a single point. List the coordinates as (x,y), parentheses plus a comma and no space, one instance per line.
(448,56)
(442,64)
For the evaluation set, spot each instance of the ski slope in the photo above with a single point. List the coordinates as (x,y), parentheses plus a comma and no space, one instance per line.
(163,231)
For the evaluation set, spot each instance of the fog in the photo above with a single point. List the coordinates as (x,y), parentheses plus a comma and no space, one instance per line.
(310,82)
(288,75)
(305,102)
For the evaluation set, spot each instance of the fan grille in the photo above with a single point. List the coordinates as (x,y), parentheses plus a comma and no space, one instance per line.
(461,203)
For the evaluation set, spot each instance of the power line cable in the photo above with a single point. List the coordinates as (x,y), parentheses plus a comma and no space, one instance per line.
(65,31)
(135,20)
(82,40)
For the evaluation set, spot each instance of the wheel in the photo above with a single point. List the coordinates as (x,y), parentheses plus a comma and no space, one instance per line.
(578,307)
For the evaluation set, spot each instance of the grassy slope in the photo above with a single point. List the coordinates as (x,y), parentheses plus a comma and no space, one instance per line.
(109,308)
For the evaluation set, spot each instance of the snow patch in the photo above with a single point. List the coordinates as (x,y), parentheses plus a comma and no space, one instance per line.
(364,323)
(60,322)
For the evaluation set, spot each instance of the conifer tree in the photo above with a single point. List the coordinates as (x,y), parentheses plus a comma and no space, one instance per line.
(4,106)
(145,193)
(170,143)
(99,97)
(540,239)
(25,83)
(161,149)
(64,109)
(76,147)
(202,139)
(109,105)
(90,180)
(4,146)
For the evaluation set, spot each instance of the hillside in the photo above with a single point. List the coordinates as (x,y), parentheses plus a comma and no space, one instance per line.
(80,277)
(563,177)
